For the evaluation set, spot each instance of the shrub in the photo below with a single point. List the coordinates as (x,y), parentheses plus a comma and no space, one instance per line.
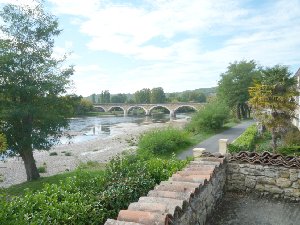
(89,197)
(3,143)
(55,204)
(211,117)
(68,153)
(42,169)
(163,142)
(162,169)
(289,150)
(246,141)
(292,137)
(53,153)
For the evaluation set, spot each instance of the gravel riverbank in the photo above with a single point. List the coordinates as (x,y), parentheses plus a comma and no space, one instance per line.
(69,156)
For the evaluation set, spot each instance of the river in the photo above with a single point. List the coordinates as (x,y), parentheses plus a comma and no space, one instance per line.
(87,128)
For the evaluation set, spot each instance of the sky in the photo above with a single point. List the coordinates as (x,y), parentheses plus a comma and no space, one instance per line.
(126,45)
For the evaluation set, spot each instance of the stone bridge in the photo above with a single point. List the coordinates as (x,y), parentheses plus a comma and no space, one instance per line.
(171,107)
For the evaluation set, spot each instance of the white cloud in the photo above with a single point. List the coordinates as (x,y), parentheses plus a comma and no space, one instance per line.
(169,39)
(76,7)
(66,50)
(125,29)
(90,79)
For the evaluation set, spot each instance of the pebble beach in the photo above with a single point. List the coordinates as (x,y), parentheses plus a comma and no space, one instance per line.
(69,156)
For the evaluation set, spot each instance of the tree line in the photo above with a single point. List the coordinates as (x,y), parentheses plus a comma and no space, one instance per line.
(153,96)
(269,93)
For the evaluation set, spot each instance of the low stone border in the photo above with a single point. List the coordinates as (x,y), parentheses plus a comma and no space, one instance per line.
(278,181)
(188,197)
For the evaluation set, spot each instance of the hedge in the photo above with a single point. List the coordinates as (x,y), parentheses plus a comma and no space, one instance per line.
(246,141)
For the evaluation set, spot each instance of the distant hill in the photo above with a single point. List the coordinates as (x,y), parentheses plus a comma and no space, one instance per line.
(206,91)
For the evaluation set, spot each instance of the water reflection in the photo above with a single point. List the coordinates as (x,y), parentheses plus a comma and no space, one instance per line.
(88,128)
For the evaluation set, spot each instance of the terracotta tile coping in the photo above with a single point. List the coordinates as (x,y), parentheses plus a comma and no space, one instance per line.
(169,197)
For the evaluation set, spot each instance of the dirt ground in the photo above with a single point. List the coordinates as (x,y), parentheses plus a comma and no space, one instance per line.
(252,209)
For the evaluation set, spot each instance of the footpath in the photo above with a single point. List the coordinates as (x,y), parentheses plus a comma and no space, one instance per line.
(212,144)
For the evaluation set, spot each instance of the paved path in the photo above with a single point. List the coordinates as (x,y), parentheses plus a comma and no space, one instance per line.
(212,144)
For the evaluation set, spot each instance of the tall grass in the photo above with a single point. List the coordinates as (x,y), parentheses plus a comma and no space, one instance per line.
(163,142)
(210,118)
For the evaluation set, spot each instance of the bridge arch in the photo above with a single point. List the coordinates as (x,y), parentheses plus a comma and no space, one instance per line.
(137,107)
(100,108)
(159,106)
(115,107)
(185,106)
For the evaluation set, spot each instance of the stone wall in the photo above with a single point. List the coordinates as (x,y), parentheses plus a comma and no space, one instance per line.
(188,197)
(278,181)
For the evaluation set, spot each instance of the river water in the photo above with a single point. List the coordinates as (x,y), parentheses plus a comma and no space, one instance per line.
(87,128)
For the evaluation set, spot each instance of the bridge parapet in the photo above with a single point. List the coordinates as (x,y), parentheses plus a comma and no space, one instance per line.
(171,107)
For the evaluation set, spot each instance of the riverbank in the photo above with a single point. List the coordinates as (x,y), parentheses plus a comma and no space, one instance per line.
(69,156)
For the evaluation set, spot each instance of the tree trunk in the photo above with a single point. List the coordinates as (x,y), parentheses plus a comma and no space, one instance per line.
(249,111)
(274,141)
(244,112)
(238,112)
(30,166)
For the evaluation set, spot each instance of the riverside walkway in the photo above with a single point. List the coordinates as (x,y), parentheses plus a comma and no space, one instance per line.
(212,144)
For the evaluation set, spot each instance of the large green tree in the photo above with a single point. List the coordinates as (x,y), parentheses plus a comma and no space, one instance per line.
(142,96)
(104,97)
(234,84)
(118,98)
(273,100)
(31,82)
(157,95)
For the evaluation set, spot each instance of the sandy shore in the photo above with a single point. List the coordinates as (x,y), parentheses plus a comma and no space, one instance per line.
(124,136)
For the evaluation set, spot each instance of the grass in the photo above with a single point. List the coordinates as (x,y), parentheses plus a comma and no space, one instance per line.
(42,169)
(94,168)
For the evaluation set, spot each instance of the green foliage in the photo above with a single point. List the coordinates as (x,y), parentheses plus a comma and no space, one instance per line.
(3,143)
(83,107)
(162,169)
(163,142)
(212,117)
(198,95)
(234,84)
(142,96)
(42,169)
(32,82)
(246,141)
(89,197)
(104,97)
(119,98)
(68,153)
(292,137)
(54,204)
(290,150)
(53,154)
(157,95)
(272,99)
(263,142)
